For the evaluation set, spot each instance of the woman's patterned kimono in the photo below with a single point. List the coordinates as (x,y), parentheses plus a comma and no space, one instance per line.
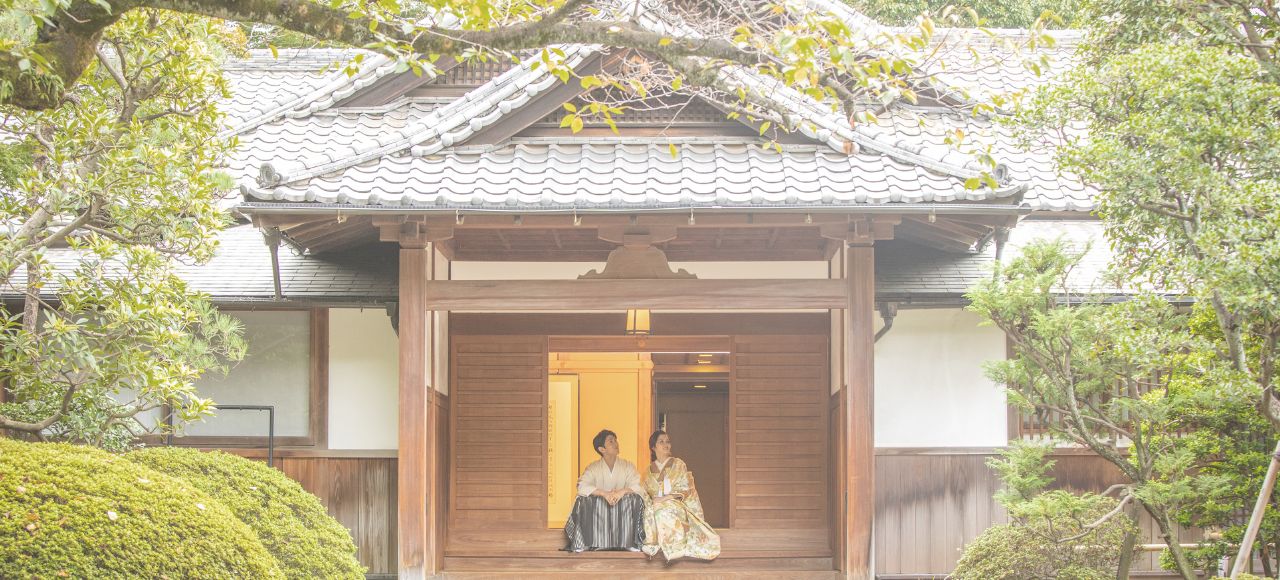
(676,526)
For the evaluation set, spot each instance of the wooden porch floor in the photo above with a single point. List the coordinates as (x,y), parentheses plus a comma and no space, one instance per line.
(554,564)
(741,575)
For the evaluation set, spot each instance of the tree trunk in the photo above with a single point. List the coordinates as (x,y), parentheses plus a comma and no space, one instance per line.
(1130,540)
(1161,518)
(1243,557)
(31,298)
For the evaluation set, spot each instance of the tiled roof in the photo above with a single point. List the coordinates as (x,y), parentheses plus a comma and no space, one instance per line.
(296,147)
(315,135)
(1030,166)
(442,127)
(819,121)
(241,272)
(908,272)
(636,173)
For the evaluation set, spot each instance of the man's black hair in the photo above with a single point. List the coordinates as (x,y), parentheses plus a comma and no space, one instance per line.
(598,442)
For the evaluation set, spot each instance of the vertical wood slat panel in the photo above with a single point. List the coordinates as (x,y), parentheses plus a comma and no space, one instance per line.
(765,458)
(361,494)
(484,370)
(930,505)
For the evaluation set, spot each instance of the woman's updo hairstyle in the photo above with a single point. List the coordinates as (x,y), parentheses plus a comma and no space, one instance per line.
(653,442)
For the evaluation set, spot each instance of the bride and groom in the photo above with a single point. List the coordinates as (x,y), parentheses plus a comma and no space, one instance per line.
(616,509)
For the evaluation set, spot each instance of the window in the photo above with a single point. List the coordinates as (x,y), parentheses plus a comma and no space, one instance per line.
(285,367)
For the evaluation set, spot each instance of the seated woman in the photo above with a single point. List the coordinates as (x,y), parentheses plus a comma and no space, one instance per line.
(673,519)
(610,504)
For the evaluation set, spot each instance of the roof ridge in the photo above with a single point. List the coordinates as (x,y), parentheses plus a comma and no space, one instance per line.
(497,97)
(337,81)
(833,129)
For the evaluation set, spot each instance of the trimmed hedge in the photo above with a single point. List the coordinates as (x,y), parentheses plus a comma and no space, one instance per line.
(291,523)
(68,511)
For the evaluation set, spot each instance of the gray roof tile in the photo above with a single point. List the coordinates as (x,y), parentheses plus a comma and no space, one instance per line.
(295,148)
(542,173)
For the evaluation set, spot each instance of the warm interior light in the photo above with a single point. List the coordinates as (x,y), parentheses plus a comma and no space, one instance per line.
(699,386)
(638,322)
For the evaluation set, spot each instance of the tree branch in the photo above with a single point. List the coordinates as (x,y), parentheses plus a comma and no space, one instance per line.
(73,44)
(37,427)
(1089,528)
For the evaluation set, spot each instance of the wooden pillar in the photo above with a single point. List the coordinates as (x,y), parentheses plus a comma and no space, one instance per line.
(420,534)
(417,457)
(859,411)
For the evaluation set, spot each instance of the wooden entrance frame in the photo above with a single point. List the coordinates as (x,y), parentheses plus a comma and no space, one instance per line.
(421,524)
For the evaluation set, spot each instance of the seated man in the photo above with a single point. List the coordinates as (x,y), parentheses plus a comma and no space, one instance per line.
(608,513)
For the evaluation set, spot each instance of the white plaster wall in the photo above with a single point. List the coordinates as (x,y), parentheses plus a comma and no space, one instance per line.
(363,379)
(441,269)
(930,389)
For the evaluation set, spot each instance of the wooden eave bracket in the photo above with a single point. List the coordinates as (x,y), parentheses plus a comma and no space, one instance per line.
(863,231)
(636,258)
(410,232)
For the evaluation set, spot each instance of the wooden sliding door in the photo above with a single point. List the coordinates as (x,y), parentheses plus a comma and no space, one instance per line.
(779,454)
(499,397)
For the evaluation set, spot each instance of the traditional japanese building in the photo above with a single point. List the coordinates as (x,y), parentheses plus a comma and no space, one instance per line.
(456,292)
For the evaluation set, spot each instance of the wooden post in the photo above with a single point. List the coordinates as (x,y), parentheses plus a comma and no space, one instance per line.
(416,477)
(859,411)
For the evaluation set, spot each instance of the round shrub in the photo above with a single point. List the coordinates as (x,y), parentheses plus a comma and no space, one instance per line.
(291,523)
(78,512)
(1048,539)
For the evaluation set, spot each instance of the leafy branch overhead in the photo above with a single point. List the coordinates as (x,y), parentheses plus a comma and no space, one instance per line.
(820,48)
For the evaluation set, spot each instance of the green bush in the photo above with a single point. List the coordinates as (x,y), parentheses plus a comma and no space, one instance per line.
(1048,539)
(68,511)
(290,522)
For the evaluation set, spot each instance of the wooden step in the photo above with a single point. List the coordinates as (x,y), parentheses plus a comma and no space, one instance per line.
(683,575)
(630,561)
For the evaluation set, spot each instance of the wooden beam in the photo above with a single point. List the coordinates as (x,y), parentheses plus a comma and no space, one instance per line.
(701,220)
(859,412)
(410,231)
(417,463)
(638,343)
(864,229)
(673,294)
(691,369)
(284,221)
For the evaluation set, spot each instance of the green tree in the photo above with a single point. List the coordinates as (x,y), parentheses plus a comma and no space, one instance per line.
(122,173)
(994,13)
(1180,103)
(1113,374)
